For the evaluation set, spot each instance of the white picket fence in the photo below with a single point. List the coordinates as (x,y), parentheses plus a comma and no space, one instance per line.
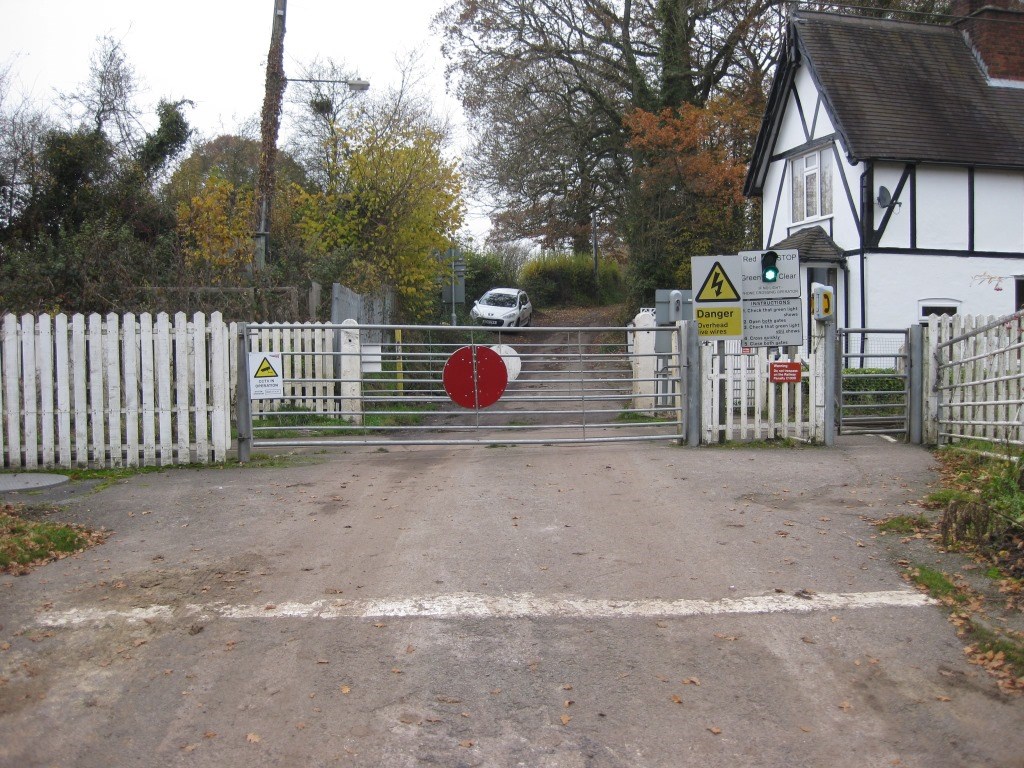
(741,404)
(114,391)
(974,379)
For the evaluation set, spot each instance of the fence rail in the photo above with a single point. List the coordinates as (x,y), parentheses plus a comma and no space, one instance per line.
(977,379)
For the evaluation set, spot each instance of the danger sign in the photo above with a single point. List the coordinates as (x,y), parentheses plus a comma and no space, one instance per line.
(266,381)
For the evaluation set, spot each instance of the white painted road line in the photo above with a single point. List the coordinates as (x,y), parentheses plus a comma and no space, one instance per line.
(470,605)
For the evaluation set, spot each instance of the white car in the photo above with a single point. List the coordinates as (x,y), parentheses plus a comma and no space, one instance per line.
(503,308)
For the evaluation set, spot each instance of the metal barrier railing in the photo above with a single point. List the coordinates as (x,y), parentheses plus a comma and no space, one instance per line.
(564,385)
(874,391)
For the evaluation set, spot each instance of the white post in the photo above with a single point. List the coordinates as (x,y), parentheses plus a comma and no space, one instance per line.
(644,362)
(351,373)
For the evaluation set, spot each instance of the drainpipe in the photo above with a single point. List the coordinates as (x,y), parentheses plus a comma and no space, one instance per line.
(863,237)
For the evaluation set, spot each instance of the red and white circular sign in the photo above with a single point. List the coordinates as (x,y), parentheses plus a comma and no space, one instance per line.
(475,377)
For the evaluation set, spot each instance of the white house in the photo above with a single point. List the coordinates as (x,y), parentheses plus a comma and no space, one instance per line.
(891,155)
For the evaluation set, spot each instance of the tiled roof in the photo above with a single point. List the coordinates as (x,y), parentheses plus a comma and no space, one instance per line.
(813,244)
(910,92)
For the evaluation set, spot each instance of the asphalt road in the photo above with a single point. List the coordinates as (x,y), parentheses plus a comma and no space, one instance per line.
(614,605)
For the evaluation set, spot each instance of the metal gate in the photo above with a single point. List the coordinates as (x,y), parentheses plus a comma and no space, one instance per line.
(385,385)
(873,381)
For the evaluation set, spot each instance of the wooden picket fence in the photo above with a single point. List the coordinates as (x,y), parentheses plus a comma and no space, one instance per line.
(974,379)
(740,404)
(153,391)
(130,390)
(114,391)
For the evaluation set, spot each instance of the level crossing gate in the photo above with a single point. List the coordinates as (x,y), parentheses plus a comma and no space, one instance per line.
(878,383)
(383,385)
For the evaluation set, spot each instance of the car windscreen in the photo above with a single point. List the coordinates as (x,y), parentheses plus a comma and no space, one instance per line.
(498,300)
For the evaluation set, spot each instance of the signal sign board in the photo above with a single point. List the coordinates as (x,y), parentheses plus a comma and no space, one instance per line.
(786,286)
(772,323)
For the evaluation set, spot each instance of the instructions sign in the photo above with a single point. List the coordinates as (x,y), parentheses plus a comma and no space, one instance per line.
(717,297)
(266,378)
(772,323)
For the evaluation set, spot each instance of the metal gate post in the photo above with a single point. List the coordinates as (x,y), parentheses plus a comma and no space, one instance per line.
(243,405)
(915,364)
(693,384)
(680,385)
(832,375)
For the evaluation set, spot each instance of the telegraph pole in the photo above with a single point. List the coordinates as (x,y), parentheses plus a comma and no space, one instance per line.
(270,124)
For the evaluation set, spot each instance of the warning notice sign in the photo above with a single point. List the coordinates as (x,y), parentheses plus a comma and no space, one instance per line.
(266,380)
(717,301)
(717,286)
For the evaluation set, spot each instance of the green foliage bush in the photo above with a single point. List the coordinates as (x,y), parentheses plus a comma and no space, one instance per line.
(871,386)
(872,380)
(568,279)
(486,271)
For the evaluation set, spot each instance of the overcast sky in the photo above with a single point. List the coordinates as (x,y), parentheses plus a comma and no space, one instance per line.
(214,52)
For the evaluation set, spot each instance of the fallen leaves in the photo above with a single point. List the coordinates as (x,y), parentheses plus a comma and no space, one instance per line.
(715,730)
(253,738)
(566,719)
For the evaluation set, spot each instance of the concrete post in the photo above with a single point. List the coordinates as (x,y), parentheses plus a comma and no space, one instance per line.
(832,375)
(351,372)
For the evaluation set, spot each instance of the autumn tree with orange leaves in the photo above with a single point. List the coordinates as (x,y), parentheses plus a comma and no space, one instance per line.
(688,194)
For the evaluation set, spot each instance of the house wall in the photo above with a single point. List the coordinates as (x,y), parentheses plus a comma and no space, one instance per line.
(977,214)
(901,283)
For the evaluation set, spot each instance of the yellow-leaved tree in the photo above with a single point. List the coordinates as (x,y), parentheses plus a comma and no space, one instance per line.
(216,226)
(395,203)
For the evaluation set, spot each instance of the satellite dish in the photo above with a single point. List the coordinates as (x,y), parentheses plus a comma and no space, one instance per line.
(884,198)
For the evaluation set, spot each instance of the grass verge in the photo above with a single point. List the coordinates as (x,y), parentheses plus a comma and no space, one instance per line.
(25,544)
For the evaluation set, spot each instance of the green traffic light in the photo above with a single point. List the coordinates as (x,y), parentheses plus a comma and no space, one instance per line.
(769,266)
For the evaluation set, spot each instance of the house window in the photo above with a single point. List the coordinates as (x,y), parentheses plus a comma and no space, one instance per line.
(812,185)
(938,306)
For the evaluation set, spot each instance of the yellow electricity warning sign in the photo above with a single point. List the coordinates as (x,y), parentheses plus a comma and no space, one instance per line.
(265,370)
(717,286)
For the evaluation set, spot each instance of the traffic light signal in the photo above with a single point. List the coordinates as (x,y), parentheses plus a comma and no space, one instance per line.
(769,266)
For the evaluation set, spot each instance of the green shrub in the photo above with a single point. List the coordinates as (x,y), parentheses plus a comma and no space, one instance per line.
(558,279)
(880,387)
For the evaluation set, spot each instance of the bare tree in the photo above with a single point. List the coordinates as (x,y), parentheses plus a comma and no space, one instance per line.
(22,128)
(107,100)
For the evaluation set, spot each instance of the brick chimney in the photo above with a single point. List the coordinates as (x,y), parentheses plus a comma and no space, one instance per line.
(996,30)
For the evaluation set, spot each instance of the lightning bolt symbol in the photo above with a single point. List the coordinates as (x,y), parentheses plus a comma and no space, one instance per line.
(717,284)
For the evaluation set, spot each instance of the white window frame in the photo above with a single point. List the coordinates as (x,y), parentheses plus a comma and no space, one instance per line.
(812,175)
